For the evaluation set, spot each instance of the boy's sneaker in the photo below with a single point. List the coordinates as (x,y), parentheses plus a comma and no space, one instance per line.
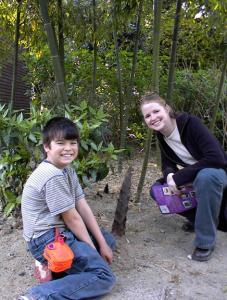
(42,273)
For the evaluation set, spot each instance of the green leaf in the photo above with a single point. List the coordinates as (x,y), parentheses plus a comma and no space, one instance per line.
(9,208)
(94,175)
(92,110)
(94,126)
(94,146)
(83,105)
(32,137)
(84,145)
(67,115)
(16,157)
(100,146)
(20,117)
(86,180)
(10,196)
(5,113)
(79,125)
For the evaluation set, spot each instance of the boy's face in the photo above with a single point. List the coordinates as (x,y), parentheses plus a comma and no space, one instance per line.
(61,152)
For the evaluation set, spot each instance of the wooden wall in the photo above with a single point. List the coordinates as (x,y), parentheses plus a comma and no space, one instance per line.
(22,101)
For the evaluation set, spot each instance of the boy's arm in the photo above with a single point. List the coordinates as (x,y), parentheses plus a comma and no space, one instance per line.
(89,219)
(75,223)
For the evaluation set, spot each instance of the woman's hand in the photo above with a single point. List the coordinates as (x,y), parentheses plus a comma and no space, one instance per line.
(172,185)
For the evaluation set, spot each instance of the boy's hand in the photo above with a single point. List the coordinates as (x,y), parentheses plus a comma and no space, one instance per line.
(106,253)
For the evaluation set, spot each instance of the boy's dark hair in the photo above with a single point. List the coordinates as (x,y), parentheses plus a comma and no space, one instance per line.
(60,128)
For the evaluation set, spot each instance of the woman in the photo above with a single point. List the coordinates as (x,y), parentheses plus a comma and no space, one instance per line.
(184,141)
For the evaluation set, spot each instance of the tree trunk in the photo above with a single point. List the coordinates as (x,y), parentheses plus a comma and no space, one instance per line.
(156,45)
(61,47)
(15,60)
(59,77)
(220,87)
(154,86)
(173,52)
(95,52)
(119,80)
(120,218)
(129,94)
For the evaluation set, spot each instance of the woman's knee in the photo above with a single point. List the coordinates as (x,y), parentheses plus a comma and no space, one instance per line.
(207,177)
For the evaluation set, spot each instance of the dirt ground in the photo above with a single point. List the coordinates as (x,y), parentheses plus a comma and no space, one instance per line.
(150,261)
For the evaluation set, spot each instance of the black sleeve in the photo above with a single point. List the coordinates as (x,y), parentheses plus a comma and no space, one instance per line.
(210,151)
(167,166)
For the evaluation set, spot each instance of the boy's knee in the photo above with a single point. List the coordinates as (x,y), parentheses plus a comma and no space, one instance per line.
(112,281)
(108,279)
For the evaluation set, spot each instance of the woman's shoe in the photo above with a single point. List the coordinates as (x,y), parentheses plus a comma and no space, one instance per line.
(202,254)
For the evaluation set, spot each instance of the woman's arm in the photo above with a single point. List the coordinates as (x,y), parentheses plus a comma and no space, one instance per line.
(168,166)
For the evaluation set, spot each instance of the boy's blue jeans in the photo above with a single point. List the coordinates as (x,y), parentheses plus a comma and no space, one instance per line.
(89,277)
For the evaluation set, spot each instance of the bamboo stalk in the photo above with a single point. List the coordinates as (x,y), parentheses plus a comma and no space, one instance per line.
(51,38)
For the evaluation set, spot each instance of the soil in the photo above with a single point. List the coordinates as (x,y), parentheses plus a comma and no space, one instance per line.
(150,261)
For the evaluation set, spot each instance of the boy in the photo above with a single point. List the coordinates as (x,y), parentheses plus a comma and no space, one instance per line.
(52,197)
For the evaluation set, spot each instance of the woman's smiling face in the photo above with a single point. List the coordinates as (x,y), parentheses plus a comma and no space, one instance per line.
(157,117)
